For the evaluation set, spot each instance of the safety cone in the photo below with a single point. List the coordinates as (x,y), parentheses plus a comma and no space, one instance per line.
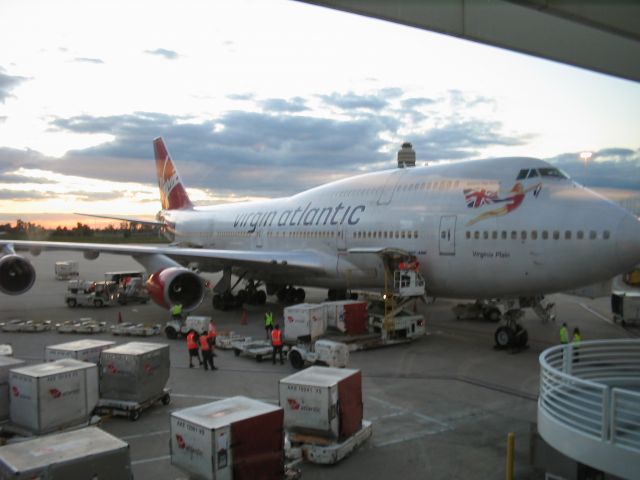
(243,318)
(119,317)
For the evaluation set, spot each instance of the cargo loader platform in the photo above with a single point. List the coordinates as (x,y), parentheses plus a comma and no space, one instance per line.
(326,452)
(129,408)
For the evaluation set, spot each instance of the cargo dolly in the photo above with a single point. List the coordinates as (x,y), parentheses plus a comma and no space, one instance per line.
(129,408)
(257,349)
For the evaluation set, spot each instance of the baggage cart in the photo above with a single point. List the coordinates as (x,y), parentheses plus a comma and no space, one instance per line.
(129,408)
(225,340)
(257,349)
(136,329)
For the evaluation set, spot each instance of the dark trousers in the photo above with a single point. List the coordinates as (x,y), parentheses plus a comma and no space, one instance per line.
(277,348)
(193,352)
(207,359)
(269,329)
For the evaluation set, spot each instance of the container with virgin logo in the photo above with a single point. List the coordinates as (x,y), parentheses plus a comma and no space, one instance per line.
(305,321)
(322,401)
(236,438)
(135,371)
(53,396)
(6,364)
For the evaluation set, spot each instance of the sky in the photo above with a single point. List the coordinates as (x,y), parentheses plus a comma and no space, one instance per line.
(259,99)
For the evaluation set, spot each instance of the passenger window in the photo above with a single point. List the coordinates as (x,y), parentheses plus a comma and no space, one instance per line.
(494,235)
(368,234)
(545,234)
(580,235)
(468,234)
(522,175)
(415,234)
(514,235)
(606,235)
(402,233)
(523,235)
(593,235)
(504,235)
(485,235)
(567,235)
(476,235)
(534,234)
(556,234)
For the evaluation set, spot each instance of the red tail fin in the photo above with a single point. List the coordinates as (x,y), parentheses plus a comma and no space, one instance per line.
(172,193)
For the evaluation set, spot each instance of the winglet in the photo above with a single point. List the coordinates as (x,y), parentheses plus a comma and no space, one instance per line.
(172,192)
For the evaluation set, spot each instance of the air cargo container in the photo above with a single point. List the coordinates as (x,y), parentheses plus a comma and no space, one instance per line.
(85,454)
(6,364)
(348,316)
(53,396)
(233,439)
(322,401)
(304,321)
(86,350)
(135,371)
(66,270)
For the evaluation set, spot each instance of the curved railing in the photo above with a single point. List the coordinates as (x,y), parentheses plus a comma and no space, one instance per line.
(589,404)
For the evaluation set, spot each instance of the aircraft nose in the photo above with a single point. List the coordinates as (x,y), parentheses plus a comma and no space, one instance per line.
(628,241)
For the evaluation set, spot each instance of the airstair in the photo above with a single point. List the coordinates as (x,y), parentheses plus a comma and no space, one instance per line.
(589,404)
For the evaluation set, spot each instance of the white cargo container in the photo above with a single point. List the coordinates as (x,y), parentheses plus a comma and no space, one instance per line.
(66,270)
(237,438)
(52,396)
(88,453)
(322,401)
(135,371)
(87,350)
(6,364)
(305,320)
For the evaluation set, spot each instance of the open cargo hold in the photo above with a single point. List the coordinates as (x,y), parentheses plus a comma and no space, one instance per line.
(348,316)
(322,401)
(88,453)
(304,321)
(6,364)
(87,350)
(237,438)
(135,371)
(53,396)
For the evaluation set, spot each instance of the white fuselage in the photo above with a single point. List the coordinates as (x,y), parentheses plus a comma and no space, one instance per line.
(479,229)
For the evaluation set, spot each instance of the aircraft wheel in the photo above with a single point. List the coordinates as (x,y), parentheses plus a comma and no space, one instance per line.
(71,302)
(166,399)
(296,359)
(261,297)
(521,338)
(299,295)
(97,303)
(217,302)
(243,296)
(134,415)
(492,315)
(504,337)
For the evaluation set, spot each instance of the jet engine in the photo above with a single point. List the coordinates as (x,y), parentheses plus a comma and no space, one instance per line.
(16,274)
(174,285)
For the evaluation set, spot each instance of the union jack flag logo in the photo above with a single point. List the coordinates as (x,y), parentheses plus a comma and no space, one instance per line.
(478,198)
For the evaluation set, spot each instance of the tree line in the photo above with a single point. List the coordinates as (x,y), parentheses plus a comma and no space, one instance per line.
(29,230)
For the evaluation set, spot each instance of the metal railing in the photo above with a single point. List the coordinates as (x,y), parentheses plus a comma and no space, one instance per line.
(594,388)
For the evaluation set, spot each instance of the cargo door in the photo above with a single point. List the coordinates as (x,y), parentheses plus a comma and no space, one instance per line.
(447,236)
(350,408)
(258,446)
(390,187)
(257,239)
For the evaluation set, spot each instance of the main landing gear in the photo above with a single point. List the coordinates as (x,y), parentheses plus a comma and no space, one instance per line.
(250,294)
(511,334)
(290,295)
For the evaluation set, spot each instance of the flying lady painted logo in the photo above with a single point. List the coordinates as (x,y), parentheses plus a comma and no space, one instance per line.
(477,198)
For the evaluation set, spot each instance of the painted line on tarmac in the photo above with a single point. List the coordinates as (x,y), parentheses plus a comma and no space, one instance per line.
(421,416)
(596,313)
(214,397)
(143,435)
(149,460)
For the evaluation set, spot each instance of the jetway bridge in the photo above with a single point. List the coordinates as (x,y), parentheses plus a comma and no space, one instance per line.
(589,404)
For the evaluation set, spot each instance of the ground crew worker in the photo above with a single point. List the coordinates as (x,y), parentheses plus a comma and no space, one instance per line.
(212,333)
(207,357)
(176,312)
(192,346)
(268,323)
(276,343)
(564,334)
(576,339)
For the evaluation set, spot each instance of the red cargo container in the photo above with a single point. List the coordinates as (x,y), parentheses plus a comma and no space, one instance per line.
(356,318)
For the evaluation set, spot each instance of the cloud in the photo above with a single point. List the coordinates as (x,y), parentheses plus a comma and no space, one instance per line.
(279,105)
(8,194)
(96,61)
(163,52)
(8,83)
(353,101)
(607,168)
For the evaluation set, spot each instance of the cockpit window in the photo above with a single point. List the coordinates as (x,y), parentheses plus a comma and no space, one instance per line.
(533,173)
(551,172)
(523,174)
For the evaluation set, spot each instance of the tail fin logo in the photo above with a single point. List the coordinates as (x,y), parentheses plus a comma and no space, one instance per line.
(173,195)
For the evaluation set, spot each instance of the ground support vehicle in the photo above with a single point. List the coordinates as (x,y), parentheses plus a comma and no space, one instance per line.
(82,326)
(326,451)
(131,286)
(130,409)
(257,349)
(224,340)
(321,352)
(97,294)
(136,329)
(29,326)
(625,307)
(177,327)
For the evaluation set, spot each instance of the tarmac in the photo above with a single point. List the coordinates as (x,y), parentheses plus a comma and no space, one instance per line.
(441,406)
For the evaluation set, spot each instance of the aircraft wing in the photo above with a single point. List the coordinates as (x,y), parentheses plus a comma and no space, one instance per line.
(123,219)
(207,259)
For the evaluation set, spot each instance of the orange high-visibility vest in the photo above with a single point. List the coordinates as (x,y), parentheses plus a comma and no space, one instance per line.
(204,343)
(191,341)
(276,338)
(212,331)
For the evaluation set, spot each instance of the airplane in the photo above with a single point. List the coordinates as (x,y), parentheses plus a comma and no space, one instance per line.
(513,229)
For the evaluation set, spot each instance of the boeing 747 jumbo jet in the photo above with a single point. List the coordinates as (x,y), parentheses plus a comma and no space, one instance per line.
(512,229)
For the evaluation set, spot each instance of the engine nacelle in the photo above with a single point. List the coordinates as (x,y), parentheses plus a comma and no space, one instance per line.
(174,285)
(16,274)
